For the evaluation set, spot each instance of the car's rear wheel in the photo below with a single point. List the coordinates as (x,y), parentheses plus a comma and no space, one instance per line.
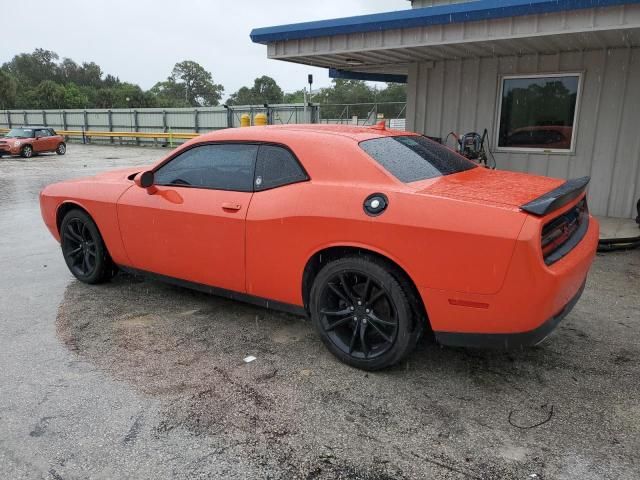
(362,313)
(61,149)
(83,249)
(26,151)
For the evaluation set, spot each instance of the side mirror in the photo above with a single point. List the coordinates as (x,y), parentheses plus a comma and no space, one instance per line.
(144,179)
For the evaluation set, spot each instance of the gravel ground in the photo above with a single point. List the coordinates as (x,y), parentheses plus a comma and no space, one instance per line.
(137,379)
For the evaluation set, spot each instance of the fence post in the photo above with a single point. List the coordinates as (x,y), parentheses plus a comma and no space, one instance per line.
(195,120)
(24,118)
(85,127)
(44,118)
(135,124)
(64,119)
(110,121)
(9,119)
(229,117)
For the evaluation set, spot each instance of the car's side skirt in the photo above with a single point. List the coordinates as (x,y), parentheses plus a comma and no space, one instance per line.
(221,292)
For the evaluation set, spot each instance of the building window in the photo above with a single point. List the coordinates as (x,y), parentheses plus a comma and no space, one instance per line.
(538,112)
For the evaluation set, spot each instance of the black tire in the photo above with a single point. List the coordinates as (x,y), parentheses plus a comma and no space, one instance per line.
(363,313)
(61,149)
(26,151)
(83,249)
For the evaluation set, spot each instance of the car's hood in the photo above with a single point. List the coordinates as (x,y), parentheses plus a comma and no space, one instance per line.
(120,173)
(492,186)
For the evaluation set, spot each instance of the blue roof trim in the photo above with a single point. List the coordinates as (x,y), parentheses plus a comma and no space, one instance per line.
(420,17)
(370,77)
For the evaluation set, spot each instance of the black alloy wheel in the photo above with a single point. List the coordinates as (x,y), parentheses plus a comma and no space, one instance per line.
(362,313)
(83,248)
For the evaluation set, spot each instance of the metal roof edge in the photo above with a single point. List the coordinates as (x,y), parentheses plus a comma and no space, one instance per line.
(427,16)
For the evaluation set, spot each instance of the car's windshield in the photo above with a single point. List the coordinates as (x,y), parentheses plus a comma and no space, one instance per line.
(411,158)
(20,133)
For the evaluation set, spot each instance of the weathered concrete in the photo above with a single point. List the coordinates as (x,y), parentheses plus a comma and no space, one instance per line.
(136,379)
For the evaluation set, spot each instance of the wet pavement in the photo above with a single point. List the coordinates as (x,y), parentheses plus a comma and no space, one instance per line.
(137,379)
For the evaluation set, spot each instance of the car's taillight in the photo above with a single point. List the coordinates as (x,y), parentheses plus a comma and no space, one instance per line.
(562,233)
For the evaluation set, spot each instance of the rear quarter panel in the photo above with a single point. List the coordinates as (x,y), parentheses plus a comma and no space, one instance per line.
(441,243)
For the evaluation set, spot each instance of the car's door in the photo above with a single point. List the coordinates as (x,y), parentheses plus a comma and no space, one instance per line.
(274,228)
(191,224)
(40,140)
(43,141)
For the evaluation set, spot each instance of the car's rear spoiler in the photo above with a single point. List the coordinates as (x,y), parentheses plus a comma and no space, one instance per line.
(557,197)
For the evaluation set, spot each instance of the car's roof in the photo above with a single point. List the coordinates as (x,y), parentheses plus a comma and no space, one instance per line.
(350,131)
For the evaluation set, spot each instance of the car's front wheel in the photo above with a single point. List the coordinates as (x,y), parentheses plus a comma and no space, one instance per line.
(26,151)
(83,249)
(61,149)
(362,313)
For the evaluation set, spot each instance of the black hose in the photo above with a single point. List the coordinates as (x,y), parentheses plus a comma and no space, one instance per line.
(628,243)
(611,245)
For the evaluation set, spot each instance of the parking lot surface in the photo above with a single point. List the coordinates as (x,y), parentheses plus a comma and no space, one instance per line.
(137,379)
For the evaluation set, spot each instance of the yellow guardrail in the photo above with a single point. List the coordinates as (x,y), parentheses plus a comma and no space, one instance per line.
(97,133)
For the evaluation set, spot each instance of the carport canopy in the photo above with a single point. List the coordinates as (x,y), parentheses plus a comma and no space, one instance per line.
(382,46)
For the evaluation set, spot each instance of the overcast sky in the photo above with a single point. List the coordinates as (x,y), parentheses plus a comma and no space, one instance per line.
(140,40)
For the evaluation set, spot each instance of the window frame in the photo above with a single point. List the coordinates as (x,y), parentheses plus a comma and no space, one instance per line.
(539,150)
(36,131)
(295,158)
(231,142)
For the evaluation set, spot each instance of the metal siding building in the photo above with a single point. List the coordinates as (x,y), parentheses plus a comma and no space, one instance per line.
(455,56)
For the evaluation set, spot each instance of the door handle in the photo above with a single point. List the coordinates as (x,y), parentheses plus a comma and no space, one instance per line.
(231,206)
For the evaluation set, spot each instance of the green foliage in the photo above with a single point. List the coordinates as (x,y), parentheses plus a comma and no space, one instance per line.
(294,97)
(8,90)
(189,80)
(264,90)
(40,80)
(343,92)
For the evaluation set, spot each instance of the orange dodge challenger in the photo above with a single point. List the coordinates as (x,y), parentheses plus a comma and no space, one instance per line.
(377,235)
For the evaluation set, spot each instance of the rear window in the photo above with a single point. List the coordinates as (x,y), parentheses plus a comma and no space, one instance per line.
(413,158)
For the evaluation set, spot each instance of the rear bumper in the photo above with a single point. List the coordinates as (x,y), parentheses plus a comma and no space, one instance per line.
(532,301)
(508,340)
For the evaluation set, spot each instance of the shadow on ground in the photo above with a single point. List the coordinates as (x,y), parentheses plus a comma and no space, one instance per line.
(566,409)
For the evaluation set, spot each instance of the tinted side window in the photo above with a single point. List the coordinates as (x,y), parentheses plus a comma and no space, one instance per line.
(42,133)
(276,167)
(413,158)
(220,167)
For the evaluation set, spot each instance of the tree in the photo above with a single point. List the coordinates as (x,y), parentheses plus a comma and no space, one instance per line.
(264,90)
(29,69)
(294,97)
(47,94)
(8,90)
(196,84)
(169,94)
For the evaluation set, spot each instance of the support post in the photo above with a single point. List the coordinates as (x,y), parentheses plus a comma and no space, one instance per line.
(44,118)
(195,120)
(9,119)
(85,119)
(110,123)
(135,124)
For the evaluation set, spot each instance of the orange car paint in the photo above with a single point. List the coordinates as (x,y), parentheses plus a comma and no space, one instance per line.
(473,255)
